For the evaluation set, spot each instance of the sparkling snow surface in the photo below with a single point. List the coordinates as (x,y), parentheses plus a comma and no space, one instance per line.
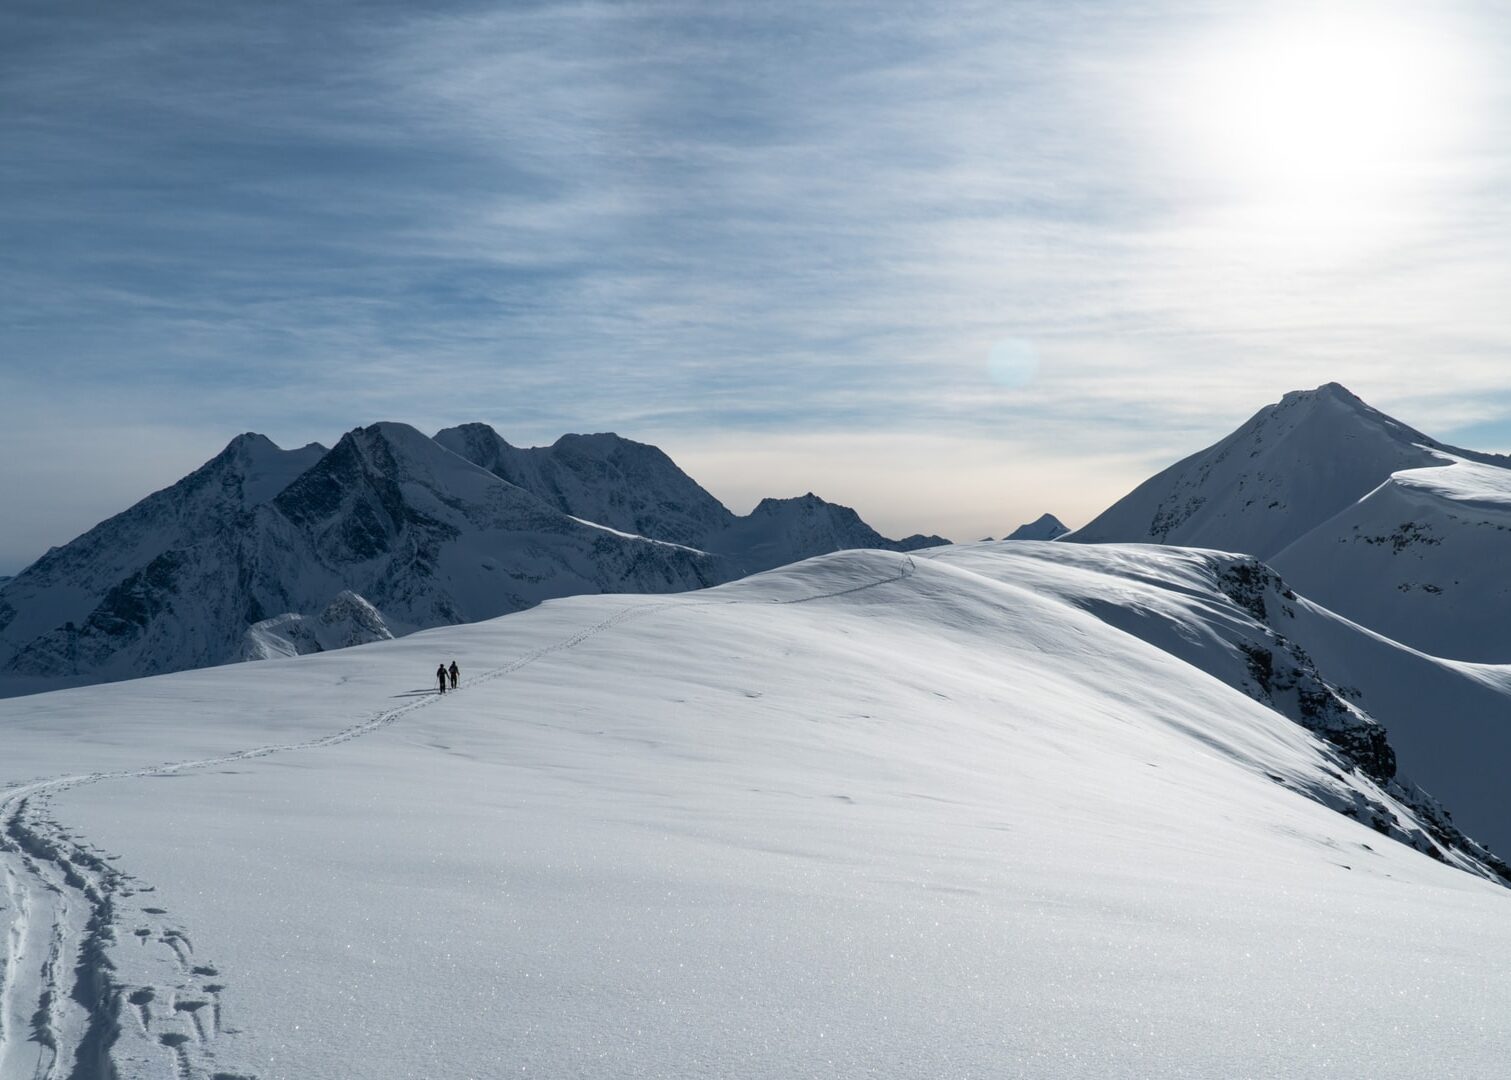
(870,815)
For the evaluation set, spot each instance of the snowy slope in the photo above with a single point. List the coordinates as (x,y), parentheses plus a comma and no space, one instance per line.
(1289,469)
(1422,559)
(1384,706)
(873,814)
(1044,527)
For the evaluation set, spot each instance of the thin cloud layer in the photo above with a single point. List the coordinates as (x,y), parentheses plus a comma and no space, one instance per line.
(692,223)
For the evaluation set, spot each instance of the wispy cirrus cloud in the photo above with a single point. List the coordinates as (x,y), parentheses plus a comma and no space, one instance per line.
(697,223)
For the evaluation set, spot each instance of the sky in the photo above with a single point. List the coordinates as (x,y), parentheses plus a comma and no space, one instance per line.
(954,264)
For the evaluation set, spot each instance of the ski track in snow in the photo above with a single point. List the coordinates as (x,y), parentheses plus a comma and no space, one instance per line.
(61,1009)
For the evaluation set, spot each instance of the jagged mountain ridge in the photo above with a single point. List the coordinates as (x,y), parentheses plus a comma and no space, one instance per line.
(1367,516)
(632,486)
(246,555)
(601,478)
(424,536)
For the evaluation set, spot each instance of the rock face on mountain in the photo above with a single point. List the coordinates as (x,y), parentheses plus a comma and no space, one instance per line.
(1045,527)
(631,486)
(1361,513)
(264,552)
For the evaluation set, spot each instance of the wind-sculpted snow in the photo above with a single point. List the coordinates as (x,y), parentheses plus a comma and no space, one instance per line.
(872,813)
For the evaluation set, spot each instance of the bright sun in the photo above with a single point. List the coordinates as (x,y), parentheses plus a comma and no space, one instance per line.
(1327,110)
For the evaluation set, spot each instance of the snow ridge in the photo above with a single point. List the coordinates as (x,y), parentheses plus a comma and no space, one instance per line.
(1236,619)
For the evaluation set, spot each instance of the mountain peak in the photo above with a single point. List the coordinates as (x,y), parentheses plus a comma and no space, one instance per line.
(1045,527)
(1290,466)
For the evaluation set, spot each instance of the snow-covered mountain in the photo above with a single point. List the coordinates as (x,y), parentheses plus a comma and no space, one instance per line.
(1290,468)
(1009,810)
(602,478)
(415,532)
(1044,527)
(1371,518)
(70,613)
(265,552)
(635,487)
(782,531)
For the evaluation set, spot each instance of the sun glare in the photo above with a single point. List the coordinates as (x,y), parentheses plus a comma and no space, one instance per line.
(1324,115)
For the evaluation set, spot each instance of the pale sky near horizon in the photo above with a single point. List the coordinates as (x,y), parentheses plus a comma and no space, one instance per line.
(952,264)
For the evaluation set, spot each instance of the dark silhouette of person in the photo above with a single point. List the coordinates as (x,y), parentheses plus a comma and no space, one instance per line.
(456,673)
(440,674)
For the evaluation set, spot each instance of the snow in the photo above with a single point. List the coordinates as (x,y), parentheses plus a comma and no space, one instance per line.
(872,814)
(1421,559)
(1445,719)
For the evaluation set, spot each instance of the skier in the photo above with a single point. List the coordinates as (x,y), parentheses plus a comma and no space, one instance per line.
(456,673)
(440,674)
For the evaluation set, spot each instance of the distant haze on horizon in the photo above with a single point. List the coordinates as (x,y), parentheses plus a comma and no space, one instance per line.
(954,265)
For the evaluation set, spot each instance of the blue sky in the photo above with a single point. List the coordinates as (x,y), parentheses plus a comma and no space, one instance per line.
(954,264)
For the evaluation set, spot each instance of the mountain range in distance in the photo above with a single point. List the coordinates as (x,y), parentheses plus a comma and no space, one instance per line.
(265,552)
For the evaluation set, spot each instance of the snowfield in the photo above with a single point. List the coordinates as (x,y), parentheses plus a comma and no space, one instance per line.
(874,814)
(1421,559)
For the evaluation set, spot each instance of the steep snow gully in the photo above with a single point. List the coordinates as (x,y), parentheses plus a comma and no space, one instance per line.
(68,1011)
